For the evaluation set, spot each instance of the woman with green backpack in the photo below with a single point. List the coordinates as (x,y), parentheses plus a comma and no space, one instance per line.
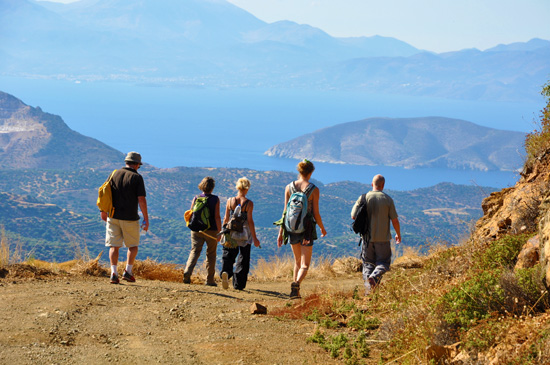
(205,232)
(300,217)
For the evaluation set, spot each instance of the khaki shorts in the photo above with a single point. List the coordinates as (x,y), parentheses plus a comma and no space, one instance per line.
(119,231)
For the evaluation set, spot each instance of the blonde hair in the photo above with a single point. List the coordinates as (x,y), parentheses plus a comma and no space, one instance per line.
(242,184)
(207,184)
(305,167)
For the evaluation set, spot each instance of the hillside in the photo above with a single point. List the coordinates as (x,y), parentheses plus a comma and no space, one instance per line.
(38,197)
(216,44)
(410,143)
(31,138)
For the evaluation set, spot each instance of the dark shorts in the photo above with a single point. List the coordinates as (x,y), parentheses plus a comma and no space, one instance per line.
(298,238)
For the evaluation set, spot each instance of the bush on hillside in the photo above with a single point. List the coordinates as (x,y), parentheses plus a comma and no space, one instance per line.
(538,141)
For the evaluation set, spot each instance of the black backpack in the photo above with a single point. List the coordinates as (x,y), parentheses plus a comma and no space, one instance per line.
(360,224)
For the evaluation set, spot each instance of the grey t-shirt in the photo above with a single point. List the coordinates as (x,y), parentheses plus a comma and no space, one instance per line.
(380,210)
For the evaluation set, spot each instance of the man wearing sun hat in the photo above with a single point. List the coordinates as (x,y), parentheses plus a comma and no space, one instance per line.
(128,192)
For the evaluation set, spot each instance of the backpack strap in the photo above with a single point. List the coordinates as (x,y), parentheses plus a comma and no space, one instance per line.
(309,189)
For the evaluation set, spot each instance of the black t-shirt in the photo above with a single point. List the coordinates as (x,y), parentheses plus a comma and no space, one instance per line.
(126,186)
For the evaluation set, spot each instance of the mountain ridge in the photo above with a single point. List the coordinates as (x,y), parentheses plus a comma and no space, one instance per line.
(31,138)
(409,143)
(217,44)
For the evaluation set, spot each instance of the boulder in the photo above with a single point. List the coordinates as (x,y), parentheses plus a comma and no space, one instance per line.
(529,254)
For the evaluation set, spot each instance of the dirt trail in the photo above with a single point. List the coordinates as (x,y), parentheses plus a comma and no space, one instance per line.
(87,320)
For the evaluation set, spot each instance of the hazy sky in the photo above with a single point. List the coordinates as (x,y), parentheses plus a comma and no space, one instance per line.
(435,25)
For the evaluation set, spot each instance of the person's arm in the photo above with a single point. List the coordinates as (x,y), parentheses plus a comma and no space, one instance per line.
(104,216)
(396,226)
(316,213)
(280,236)
(218,218)
(142,201)
(250,220)
(227,212)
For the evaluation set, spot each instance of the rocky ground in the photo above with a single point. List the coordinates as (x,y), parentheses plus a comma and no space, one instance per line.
(79,319)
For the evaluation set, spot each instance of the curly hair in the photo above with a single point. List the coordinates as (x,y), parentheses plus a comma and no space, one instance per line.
(242,184)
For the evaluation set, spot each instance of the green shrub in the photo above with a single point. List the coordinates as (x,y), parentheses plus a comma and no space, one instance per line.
(484,336)
(530,282)
(501,253)
(360,321)
(473,300)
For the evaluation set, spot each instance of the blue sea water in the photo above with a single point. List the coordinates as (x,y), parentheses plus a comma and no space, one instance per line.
(206,127)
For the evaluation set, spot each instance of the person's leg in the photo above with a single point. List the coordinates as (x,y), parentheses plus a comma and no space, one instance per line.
(297,252)
(113,256)
(228,260)
(197,241)
(302,260)
(131,256)
(383,260)
(242,268)
(212,246)
(113,240)
(368,256)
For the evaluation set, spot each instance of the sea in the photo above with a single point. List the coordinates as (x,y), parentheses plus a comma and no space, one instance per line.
(233,127)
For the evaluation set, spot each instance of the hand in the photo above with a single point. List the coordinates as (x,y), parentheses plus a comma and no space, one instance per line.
(397,239)
(323,232)
(256,242)
(280,240)
(145,225)
(104,216)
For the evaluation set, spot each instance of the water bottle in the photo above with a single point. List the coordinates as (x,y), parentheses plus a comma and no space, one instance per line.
(237,212)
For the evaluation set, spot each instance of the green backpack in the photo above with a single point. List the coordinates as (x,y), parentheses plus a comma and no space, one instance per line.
(200,216)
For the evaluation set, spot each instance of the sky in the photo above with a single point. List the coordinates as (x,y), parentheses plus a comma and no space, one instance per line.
(433,25)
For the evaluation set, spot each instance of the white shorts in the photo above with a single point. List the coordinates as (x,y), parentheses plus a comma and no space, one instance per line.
(119,231)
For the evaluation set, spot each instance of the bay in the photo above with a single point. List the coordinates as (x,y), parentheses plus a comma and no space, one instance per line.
(205,127)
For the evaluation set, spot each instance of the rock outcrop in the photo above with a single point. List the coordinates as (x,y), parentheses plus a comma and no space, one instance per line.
(522,208)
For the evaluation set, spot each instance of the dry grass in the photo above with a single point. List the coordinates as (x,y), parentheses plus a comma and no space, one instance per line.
(7,255)
(151,270)
(282,268)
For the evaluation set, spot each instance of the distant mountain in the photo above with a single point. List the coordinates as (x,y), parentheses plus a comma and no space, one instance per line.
(409,143)
(215,43)
(533,45)
(30,138)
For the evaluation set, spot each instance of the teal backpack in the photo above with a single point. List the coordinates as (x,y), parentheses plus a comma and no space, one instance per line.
(296,209)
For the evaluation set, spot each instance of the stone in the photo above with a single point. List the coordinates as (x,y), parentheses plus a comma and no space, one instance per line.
(257,308)
(529,254)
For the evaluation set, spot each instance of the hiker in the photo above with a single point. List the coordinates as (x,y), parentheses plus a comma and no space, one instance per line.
(128,191)
(242,250)
(376,250)
(301,243)
(209,236)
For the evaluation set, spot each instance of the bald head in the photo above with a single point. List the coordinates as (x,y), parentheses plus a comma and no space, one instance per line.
(378,182)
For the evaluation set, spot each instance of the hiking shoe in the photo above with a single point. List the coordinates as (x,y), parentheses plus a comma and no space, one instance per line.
(211,284)
(186,279)
(372,283)
(128,277)
(295,291)
(225,280)
(114,279)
